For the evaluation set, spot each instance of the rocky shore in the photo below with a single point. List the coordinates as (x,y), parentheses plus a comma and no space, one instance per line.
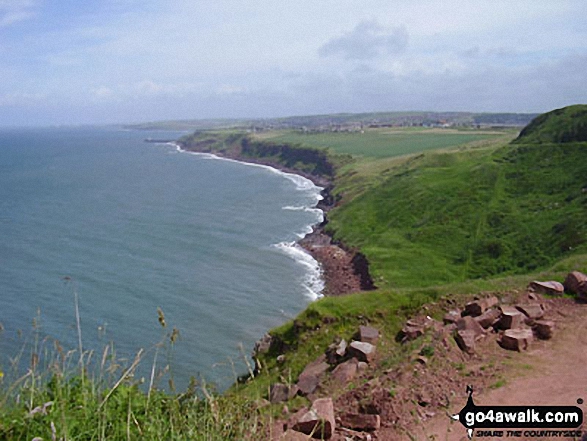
(344,270)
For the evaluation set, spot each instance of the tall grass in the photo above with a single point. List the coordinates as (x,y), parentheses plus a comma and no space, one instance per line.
(77,394)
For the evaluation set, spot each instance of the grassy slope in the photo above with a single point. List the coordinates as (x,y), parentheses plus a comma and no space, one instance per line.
(448,217)
(430,223)
(568,124)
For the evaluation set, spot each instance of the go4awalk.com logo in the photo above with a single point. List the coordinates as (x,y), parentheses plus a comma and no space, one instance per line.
(520,421)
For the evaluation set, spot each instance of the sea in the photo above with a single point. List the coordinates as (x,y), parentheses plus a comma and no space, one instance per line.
(105,238)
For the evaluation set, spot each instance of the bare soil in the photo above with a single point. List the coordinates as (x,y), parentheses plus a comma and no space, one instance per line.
(552,372)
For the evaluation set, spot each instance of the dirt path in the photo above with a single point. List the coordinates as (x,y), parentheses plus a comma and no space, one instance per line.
(553,372)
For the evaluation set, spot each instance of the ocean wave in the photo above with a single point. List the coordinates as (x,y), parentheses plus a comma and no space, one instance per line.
(317,211)
(301,182)
(313,282)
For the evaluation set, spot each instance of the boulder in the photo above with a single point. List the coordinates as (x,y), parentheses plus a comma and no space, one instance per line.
(360,421)
(488,318)
(345,372)
(278,393)
(576,283)
(336,352)
(516,339)
(368,334)
(532,311)
(292,435)
(318,421)
(362,351)
(317,367)
(511,318)
(478,307)
(411,332)
(550,287)
(468,323)
(544,329)
(307,384)
(466,341)
(451,317)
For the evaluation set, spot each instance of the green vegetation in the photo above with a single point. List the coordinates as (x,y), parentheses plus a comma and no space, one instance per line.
(302,159)
(437,224)
(559,126)
(383,143)
(445,217)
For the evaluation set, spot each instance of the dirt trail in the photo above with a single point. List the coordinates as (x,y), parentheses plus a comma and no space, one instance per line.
(553,372)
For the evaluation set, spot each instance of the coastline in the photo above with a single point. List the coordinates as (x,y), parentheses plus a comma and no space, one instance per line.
(343,270)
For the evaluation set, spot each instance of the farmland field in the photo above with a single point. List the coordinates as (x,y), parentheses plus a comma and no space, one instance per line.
(384,143)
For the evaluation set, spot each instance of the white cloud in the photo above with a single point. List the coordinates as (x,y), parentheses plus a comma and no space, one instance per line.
(14,11)
(366,41)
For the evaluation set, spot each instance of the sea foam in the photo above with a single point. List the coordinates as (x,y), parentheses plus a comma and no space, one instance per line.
(313,282)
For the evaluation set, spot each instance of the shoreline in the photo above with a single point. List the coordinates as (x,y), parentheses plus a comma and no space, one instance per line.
(343,270)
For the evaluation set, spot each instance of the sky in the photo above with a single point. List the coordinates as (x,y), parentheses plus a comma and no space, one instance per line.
(121,61)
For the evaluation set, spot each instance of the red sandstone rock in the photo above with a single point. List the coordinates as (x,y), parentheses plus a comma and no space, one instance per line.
(466,341)
(488,318)
(532,311)
(307,384)
(517,339)
(468,323)
(478,307)
(318,421)
(368,334)
(576,283)
(360,421)
(317,367)
(451,317)
(544,329)
(292,435)
(550,287)
(345,372)
(511,318)
(362,351)
(278,393)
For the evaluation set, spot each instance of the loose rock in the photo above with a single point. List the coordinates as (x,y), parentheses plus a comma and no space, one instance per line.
(345,372)
(544,329)
(551,287)
(360,421)
(451,317)
(362,351)
(468,323)
(292,435)
(368,334)
(516,339)
(318,421)
(533,311)
(488,318)
(478,307)
(278,393)
(316,368)
(576,283)
(511,318)
(466,341)
(307,384)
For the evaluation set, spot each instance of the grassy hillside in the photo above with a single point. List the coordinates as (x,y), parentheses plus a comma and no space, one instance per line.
(446,217)
(564,125)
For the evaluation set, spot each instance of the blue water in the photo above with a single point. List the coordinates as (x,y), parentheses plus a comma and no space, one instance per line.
(139,226)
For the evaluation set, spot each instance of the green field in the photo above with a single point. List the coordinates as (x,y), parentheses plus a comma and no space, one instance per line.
(384,143)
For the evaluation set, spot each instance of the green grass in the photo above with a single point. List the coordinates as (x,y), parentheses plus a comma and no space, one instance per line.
(451,216)
(383,143)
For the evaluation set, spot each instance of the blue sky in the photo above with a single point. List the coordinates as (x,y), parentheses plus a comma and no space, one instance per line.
(107,61)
